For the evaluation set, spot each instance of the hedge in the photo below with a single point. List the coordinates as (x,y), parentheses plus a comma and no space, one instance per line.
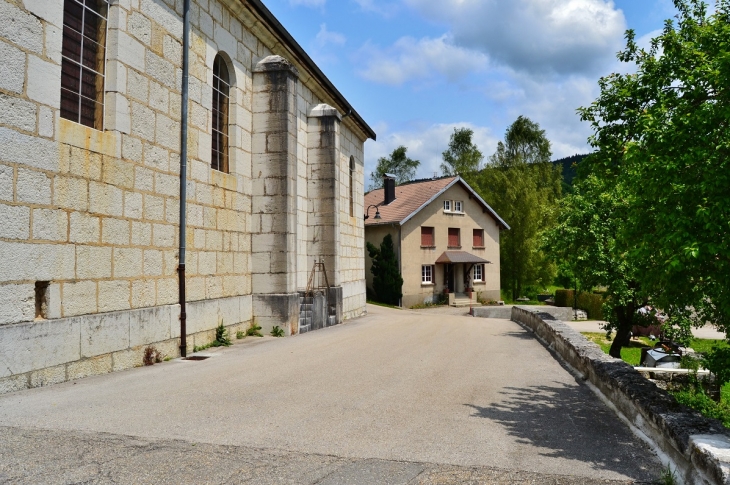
(564,298)
(592,303)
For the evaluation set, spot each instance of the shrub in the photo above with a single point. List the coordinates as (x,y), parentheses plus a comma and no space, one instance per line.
(221,337)
(253,330)
(387,280)
(277,331)
(592,303)
(717,361)
(564,298)
(240,334)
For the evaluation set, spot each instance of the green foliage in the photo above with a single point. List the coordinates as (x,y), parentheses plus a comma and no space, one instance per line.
(717,361)
(222,338)
(398,164)
(253,330)
(696,398)
(569,170)
(524,188)
(662,136)
(564,298)
(668,477)
(463,156)
(387,281)
(277,331)
(586,239)
(240,335)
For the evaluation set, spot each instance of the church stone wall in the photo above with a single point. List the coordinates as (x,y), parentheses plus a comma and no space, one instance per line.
(94,214)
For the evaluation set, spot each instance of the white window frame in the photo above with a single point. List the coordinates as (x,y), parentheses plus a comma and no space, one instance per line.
(458,206)
(447,206)
(427,271)
(478,268)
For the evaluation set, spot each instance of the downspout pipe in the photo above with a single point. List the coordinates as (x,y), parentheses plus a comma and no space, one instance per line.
(184,174)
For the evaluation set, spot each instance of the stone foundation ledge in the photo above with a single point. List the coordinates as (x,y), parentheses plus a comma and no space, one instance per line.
(42,353)
(697,447)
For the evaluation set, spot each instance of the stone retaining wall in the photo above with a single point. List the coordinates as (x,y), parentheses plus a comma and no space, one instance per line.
(46,352)
(560,313)
(698,447)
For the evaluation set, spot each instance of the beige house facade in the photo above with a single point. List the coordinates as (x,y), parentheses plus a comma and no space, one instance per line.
(446,238)
(90,162)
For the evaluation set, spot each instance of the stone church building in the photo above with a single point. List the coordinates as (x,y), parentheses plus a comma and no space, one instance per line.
(91,156)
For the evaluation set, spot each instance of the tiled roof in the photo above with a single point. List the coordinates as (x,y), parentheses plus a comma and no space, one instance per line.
(408,199)
(411,197)
(460,257)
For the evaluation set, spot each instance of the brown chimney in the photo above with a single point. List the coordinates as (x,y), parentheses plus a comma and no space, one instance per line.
(389,188)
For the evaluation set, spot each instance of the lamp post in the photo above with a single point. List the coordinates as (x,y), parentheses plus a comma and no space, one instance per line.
(377,212)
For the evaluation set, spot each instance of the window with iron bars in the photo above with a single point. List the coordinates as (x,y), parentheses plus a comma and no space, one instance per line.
(221,94)
(83,61)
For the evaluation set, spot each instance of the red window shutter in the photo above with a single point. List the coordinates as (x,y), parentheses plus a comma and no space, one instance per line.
(454,237)
(427,236)
(478,237)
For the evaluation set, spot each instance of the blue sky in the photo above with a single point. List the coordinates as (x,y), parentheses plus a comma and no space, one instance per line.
(416,69)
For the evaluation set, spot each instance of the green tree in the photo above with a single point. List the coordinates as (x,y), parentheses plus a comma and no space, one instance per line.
(522,185)
(664,136)
(398,164)
(463,156)
(585,241)
(387,280)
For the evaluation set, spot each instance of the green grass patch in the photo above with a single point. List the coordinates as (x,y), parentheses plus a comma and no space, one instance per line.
(371,302)
(630,355)
(702,345)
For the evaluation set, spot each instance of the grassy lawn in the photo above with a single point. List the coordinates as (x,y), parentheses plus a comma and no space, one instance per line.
(631,354)
(691,396)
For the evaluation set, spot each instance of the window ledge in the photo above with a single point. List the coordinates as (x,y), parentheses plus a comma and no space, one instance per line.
(428,247)
(479,247)
(453,213)
(82,136)
(453,247)
(427,284)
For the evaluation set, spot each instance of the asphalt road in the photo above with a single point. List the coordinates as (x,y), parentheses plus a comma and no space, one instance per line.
(394,397)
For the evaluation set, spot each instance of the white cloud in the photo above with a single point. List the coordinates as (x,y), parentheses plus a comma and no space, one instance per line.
(325,37)
(538,36)
(308,3)
(384,9)
(410,59)
(425,143)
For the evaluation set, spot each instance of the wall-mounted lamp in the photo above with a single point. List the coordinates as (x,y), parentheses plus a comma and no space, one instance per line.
(377,212)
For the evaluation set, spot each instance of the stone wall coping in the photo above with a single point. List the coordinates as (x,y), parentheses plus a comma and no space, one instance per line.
(275,63)
(324,110)
(698,447)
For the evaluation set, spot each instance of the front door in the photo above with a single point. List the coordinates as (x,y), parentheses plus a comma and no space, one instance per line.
(450,279)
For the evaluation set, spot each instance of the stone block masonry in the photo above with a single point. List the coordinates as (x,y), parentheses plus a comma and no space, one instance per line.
(696,447)
(89,240)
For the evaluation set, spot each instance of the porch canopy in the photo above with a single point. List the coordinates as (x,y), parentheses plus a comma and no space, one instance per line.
(451,257)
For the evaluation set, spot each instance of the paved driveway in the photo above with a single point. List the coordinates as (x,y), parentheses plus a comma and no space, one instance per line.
(397,386)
